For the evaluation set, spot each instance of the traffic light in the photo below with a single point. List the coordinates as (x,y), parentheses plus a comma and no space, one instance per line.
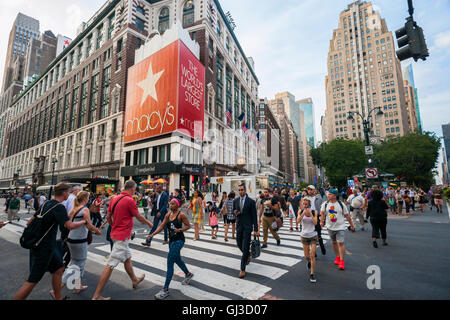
(411,42)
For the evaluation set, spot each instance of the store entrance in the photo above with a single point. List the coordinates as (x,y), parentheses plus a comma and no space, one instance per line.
(184,184)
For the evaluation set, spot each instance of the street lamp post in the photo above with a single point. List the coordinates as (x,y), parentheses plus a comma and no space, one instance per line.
(19,171)
(54,161)
(366,122)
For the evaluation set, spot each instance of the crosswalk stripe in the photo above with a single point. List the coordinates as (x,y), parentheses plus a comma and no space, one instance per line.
(217,259)
(280,249)
(284,235)
(13,228)
(233,249)
(188,291)
(271,239)
(241,287)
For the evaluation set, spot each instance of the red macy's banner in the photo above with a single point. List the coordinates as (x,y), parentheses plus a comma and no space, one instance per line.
(166,93)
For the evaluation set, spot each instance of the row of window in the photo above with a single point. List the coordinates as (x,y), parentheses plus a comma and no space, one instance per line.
(158,154)
(72,60)
(44,124)
(54,147)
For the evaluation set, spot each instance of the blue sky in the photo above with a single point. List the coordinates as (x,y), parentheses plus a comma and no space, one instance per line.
(289,42)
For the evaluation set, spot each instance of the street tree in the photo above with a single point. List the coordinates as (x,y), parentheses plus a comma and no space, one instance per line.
(412,157)
(341,158)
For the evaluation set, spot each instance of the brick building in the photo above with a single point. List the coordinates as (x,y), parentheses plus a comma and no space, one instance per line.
(73,112)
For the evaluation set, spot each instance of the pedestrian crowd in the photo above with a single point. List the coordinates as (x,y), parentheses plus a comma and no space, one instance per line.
(79,214)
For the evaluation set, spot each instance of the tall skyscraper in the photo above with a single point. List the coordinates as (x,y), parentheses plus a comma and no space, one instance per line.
(24,30)
(307,106)
(297,118)
(269,155)
(40,54)
(412,100)
(364,73)
(288,140)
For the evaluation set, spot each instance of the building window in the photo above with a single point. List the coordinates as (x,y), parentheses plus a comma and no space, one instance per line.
(113,150)
(94,100)
(188,13)
(105,93)
(83,107)
(140,24)
(73,124)
(140,10)
(164,16)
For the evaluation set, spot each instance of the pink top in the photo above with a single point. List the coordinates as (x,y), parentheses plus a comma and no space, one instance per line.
(213,219)
(123,216)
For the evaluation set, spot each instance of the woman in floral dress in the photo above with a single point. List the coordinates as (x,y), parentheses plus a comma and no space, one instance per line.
(197,212)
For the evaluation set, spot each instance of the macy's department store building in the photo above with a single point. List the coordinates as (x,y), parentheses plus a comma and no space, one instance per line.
(164,118)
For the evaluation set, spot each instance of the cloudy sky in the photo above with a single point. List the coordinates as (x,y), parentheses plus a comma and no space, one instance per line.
(289,42)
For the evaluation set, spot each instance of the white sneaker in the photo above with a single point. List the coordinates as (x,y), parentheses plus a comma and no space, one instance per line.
(162,294)
(188,279)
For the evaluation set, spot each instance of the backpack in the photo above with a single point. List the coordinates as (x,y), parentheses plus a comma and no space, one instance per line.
(32,235)
(36,203)
(144,202)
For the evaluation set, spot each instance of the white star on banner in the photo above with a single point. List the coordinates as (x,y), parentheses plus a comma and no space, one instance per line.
(149,84)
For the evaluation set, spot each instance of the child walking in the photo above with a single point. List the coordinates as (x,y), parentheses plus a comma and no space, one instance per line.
(214,221)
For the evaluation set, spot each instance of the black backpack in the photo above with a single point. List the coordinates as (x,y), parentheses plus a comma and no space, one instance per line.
(33,234)
(36,203)
(144,202)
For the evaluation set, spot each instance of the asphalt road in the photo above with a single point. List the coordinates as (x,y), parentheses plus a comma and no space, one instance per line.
(414,266)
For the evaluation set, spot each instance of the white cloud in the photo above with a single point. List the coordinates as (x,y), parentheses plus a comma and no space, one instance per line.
(442,40)
(61,17)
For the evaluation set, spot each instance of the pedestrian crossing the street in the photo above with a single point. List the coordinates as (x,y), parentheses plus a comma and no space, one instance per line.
(214,262)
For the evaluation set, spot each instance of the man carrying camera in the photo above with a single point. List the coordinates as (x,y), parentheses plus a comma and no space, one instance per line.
(268,212)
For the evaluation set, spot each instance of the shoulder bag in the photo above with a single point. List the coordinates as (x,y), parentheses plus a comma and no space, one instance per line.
(255,247)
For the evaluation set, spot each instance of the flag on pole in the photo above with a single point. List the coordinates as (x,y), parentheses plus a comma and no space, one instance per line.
(241,117)
(229,116)
(245,127)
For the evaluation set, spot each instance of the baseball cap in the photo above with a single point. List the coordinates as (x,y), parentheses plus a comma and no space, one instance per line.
(311,187)
(334,191)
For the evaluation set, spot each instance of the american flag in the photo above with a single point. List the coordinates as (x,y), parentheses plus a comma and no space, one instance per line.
(241,117)
(245,127)
(229,116)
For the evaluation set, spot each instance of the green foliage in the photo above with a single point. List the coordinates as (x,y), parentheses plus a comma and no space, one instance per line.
(341,159)
(412,157)
(447,193)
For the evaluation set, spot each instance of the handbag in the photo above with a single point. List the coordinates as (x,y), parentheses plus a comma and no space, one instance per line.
(291,212)
(224,209)
(274,225)
(255,248)
(201,227)
(279,222)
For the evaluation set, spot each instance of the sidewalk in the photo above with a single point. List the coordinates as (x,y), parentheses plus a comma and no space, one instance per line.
(428,216)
